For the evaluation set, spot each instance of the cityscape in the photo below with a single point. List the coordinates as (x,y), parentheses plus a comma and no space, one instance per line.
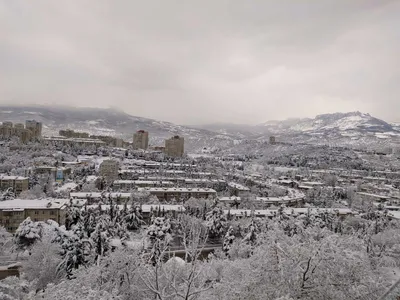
(199,150)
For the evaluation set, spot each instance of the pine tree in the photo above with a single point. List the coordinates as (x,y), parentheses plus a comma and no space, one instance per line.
(228,241)
(216,222)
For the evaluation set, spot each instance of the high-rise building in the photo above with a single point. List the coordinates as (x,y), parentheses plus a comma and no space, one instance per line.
(272,140)
(174,147)
(141,140)
(109,170)
(35,127)
(7,124)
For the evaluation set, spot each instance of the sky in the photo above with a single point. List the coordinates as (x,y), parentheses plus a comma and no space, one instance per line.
(204,61)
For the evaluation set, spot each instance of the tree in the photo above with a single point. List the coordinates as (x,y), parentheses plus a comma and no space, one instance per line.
(40,268)
(228,241)
(5,240)
(133,218)
(76,250)
(7,195)
(159,235)
(27,234)
(216,222)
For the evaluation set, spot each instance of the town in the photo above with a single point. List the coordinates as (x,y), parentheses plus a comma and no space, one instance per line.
(77,186)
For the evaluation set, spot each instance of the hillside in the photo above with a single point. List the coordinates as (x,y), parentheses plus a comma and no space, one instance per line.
(110,122)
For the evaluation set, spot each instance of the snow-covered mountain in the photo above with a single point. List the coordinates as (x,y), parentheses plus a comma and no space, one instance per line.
(114,122)
(332,123)
(344,129)
(350,129)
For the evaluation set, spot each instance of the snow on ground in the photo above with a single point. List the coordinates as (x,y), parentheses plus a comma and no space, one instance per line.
(69,186)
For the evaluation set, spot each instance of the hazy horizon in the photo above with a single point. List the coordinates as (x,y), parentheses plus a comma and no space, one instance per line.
(204,62)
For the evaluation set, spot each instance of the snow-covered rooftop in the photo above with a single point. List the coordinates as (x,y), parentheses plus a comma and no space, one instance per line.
(6,177)
(238,186)
(33,204)
(177,190)
(84,195)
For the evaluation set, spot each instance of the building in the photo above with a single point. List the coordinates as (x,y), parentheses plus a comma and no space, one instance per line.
(109,170)
(167,193)
(141,140)
(7,130)
(272,140)
(63,141)
(14,212)
(127,185)
(174,147)
(35,127)
(237,189)
(17,183)
(58,174)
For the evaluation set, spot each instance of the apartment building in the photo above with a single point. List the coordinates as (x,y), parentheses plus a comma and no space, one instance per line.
(179,194)
(25,134)
(35,127)
(127,185)
(14,212)
(175,146)
(109,170)
(141,140)
(17,183)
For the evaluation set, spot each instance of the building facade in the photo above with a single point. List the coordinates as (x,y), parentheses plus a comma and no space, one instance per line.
(35,127)
(175,146)
(25,133)
(14,212)
(179,194)
(141,140)
(109,170)
(17,183)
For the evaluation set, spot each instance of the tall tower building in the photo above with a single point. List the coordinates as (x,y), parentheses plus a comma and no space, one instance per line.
(174,147)
(35,127)
(141,140)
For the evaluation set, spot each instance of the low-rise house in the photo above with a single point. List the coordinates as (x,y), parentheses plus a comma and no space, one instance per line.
(17,183)
(127,185)
(167,194)
(13,212)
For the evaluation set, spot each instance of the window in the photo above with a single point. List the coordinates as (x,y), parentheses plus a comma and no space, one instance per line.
(52,212)
(36,212)
(43,212)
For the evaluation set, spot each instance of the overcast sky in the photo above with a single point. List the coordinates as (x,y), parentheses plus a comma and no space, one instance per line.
(205,61)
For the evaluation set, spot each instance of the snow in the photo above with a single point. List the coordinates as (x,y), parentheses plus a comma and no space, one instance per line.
(288,211)
(33,204)
(173,190)
(238,186)
(83,195)
(67,187)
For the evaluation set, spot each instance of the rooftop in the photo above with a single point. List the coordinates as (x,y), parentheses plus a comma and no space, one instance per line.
(18,204)
(177,190)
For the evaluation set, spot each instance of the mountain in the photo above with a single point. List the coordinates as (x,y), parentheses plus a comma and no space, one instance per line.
(333,123)
(345,129)
(115,122)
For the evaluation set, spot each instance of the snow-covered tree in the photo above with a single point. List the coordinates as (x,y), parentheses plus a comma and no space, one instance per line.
(216,222)
(228,240)
(27,234)
(75,251)
(159,235)
(133,218)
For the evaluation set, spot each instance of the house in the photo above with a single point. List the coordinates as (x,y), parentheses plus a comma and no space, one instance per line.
(13,212)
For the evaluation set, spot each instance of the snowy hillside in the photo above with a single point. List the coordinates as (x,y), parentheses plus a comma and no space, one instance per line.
(111,122)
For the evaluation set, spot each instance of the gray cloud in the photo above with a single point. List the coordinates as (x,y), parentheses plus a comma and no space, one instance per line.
(203,61)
